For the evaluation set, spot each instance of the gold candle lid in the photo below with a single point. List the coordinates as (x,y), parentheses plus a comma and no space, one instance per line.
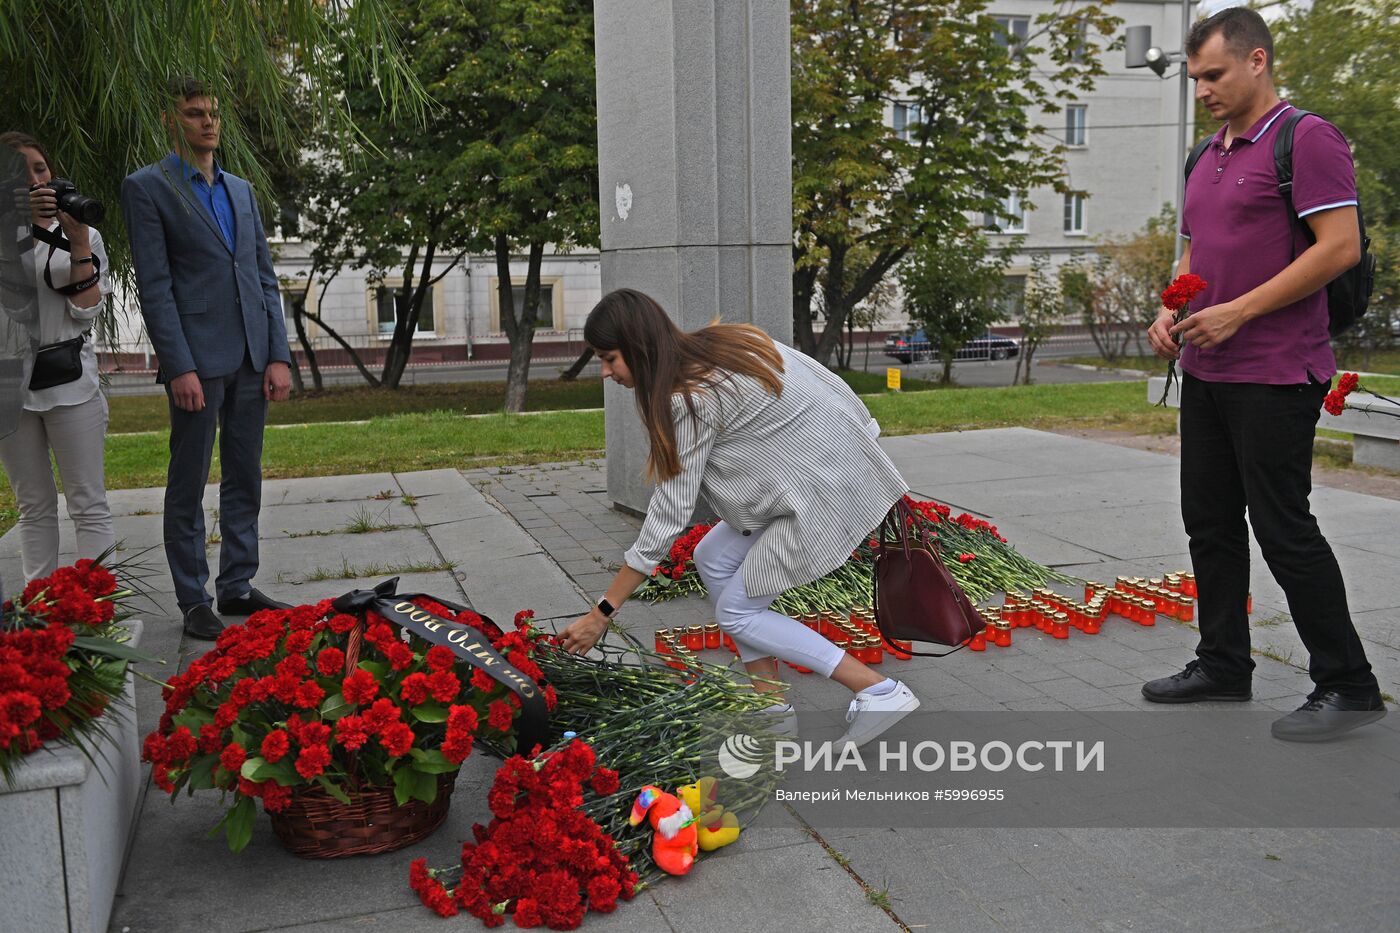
(695,629)
(711,627)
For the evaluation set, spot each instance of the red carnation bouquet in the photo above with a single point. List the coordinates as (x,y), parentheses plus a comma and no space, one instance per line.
(542,860)
(272,709)
(1177,298)
(676,575)
(1336,400)
(63,660)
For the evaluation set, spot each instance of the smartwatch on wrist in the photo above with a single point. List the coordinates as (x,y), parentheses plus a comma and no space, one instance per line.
(606,608)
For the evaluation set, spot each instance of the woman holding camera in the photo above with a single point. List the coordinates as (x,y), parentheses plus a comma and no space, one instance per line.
(785,454)
(64,408)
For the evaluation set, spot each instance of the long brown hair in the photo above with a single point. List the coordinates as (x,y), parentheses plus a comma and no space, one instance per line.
(665,360)
(16,139)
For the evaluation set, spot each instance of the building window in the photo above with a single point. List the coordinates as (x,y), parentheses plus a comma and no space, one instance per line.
(1012,32)
(1013,205)
(1074,214)
(1079,52)
(382,305)
(287,226)
(550,313)
(906,116)
(1011,303)
(1077,125)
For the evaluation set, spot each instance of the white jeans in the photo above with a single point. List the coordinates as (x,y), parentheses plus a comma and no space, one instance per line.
(758,631)
(75,433)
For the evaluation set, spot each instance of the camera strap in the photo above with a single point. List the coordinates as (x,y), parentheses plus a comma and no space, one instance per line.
(57,241)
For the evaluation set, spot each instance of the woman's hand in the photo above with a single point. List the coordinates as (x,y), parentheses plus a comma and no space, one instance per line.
(583,633)
(43,203)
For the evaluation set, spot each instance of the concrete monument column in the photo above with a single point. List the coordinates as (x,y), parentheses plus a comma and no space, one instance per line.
(695,176)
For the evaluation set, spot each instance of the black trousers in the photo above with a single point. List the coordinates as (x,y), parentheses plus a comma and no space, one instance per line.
(1248,447)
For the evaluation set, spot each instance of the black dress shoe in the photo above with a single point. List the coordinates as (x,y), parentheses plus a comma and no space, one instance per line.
(201,623)
(1194,685)
(1327,714)
(247,605)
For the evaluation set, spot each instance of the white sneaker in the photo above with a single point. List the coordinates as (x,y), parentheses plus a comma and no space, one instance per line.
(782,719)
(871,714)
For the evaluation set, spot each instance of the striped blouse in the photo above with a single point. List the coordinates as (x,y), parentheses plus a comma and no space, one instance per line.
(805,466)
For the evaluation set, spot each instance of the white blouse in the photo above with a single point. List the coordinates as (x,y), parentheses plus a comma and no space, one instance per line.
(60,319)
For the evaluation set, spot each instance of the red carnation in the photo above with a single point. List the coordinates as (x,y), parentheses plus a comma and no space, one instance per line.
(1348,383)
(397,739)
(352,732)
(1335,402)
(440,658)
(275,745)
(444,686)
(275,797)
(330,661)
(313,760)
(500,716)
(309,695)
(360,688)
(232,757)
(414,689)
(483,681)
(605,782)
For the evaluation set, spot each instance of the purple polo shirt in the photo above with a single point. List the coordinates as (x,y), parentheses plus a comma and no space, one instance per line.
(1241,236)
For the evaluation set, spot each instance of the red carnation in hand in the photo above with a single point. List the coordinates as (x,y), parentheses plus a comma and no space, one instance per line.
(1335,402)
(1182,290)
(1348,383)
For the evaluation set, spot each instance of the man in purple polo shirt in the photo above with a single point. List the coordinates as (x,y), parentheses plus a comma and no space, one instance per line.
(1257,363)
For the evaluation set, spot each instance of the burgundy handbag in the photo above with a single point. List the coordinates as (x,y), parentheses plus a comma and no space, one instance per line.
(916,598)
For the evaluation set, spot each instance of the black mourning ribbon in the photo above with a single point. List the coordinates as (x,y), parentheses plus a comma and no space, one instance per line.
(465,641)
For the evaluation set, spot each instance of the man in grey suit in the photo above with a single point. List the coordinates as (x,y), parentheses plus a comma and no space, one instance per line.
(213,311)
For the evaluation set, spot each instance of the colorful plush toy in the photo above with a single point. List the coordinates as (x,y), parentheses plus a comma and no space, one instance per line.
(675,843)
(717,826)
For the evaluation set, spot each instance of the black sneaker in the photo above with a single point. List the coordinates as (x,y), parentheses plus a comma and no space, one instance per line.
(1326,715)
(1194,685)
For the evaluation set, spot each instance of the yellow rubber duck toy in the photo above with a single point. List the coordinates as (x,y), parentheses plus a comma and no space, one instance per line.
(716,826)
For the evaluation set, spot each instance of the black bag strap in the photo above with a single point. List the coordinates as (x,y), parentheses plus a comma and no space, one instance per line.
(464,641)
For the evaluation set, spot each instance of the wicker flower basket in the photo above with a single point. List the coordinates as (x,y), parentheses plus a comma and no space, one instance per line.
(316,825)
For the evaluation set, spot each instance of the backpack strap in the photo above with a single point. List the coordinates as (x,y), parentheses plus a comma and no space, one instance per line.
(1197,151)
(1283,157)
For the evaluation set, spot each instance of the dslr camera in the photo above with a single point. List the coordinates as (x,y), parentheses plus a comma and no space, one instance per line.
(78,205)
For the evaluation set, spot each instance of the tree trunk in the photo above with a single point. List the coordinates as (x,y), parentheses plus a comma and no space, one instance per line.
(570,374)
(947,377)
(804,283)
(519,330)
(299,321)
(369,377)
(408,305)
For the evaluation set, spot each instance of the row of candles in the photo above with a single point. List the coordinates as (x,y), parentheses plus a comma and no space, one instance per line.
(1133,598)
(854,631)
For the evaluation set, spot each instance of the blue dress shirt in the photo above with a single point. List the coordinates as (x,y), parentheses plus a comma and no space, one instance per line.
(214,198)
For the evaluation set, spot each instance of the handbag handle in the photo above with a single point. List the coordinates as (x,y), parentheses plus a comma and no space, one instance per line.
(901,516)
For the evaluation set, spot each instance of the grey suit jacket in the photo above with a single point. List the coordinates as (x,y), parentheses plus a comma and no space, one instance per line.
(804,466)
(205,306)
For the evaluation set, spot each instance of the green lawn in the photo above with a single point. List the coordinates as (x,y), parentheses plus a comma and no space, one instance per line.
(1387,361)
(356,403)
(418,440)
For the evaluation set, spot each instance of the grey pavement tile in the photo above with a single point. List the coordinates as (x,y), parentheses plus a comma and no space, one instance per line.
(801,888)
(296,560)
(1097,673)
(362,487)
(297,519)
